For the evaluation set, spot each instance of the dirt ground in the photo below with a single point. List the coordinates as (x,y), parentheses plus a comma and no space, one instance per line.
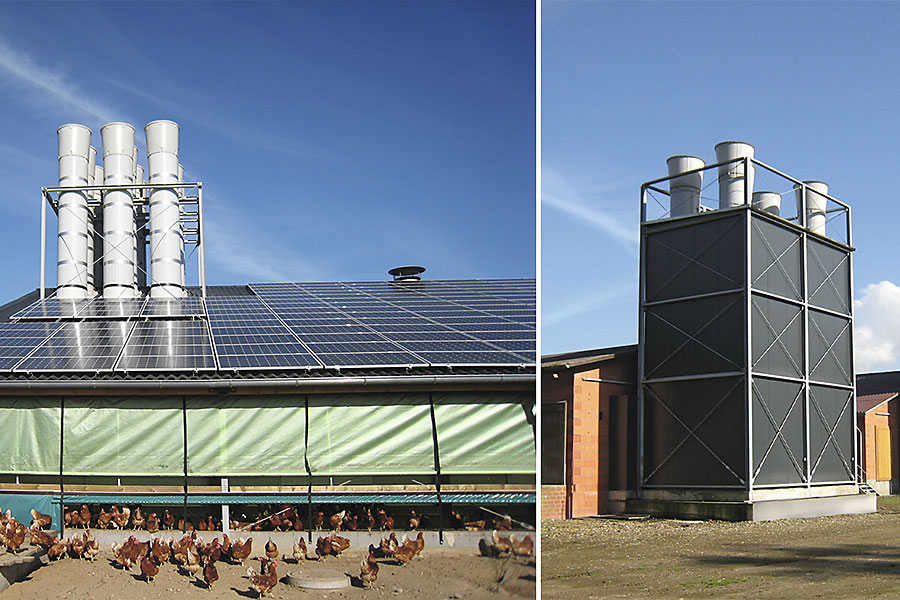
(435,574)
(852,556)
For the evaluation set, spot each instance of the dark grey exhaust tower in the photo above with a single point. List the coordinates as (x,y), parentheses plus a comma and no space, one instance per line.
(747,389)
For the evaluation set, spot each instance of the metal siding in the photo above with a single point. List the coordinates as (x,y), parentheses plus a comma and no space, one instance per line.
(776,259)
(829,277)
(831,434)
(777,337)
(778,441)
(829,349)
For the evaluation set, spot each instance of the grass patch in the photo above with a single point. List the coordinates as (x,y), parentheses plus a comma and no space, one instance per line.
(712,583)
(889,504)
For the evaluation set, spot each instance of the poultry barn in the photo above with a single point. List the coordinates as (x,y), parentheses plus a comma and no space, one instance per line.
(125,386)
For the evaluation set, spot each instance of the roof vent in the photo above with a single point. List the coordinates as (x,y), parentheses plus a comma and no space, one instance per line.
(407,273)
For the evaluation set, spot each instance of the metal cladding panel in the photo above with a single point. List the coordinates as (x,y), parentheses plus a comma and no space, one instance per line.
(829,277)
(830,348)
(776,258)
(694,433)
(778,424)
(831,427)
(777,337)
(696,336)
(697,258)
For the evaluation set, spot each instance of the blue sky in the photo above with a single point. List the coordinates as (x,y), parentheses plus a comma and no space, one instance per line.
(335,140)
(625,85)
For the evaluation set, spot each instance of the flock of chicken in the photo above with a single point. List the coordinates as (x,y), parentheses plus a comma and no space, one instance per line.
(195,558)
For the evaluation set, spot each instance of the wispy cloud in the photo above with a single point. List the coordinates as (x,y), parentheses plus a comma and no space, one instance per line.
(585,301)
(51,86)
(558,193)
(877,327)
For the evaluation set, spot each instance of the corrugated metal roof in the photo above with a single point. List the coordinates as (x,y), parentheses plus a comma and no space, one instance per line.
(866,404)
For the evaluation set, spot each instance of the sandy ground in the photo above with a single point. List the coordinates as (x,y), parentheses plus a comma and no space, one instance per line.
(852,556)
(436,574)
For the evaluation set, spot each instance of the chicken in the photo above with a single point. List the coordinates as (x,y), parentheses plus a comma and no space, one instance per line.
(415,521)
(389,544)
(57,550)
(456,520)
(160,550)
(271,550)
(40,537)
(418,543)
(350,523)
(85,516)
(488,550)
(318,519)
(210,574)
(384,521)
(263,583)
(152,523)
(168,519)
(298,523)
(298,551)
(191,561)
(91,547)
(505,524)
(368,570)
(149,568)
(122,517)
(73,519)
(179,547)
(213,551)
(323,547)
(338,544)
(335,520)
(368,521)
(130,552)
(138,520)
(240,549)
(404,554)
(523,548)
(40,520)
(15,535)
(201,525)
(104,518)
(501,542)
(211,524)
(76,547)
(226,544)
(475,525)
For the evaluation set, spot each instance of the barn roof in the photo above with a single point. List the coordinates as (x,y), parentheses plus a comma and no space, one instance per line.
(866,404)
(276,330)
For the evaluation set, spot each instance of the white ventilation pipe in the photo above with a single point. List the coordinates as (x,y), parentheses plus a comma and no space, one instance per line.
(140,225)
(731,176)
(71,251)
(166,235)
(97,258)
(118,212)
(684,191)
(816,205)
(89,257)
(769,202)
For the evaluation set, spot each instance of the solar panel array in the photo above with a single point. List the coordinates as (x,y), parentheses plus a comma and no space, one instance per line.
(283,326)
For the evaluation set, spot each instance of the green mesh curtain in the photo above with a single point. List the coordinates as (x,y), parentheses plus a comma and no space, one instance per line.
(356,434)
(250,435)
(481,433)
(30,429)
(123,436)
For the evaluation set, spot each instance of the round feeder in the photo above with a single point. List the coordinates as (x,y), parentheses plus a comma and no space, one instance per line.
(318,581)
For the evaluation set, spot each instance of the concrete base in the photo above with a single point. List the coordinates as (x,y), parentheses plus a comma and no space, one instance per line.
(16,567)
(765,510)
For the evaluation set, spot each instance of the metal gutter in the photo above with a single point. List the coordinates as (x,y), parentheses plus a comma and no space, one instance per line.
(301,384)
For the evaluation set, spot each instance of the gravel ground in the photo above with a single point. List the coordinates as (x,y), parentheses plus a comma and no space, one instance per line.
(436,574)
(852,556)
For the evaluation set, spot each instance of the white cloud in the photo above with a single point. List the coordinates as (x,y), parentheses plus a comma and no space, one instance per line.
(558,193)
(586,301)
(877,327)
(51,86)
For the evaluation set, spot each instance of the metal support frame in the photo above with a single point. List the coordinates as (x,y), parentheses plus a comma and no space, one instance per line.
(191,220)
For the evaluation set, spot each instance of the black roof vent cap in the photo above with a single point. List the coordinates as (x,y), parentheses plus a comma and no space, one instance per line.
(410,273)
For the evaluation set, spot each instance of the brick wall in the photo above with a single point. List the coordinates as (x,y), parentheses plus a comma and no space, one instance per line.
(553,502)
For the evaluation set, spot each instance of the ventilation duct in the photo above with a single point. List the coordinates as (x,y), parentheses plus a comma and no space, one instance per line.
(97,256)
(118,211)
(769,202)
(166,235)
(72,246)
(684,191)
(731,176)
(816,204)
(89,257)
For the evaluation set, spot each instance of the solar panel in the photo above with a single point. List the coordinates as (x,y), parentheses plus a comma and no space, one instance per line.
(189,306)
(478,322)
(18,339)
(104,308)
(49,309)
(168,345)
(81,346)
(248,336)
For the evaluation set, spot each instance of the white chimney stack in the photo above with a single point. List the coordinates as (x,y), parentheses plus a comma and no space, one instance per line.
(72,245)
(731,176)
(769,202)
(816,205)
(684,191)
(89,258)
(118,211)
(166,235)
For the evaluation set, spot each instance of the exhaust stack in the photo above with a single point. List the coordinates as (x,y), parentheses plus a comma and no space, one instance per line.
(118,212)
(769,202)
(732,177)
(166,235)
(816,204)
(72,240)
(684,191)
